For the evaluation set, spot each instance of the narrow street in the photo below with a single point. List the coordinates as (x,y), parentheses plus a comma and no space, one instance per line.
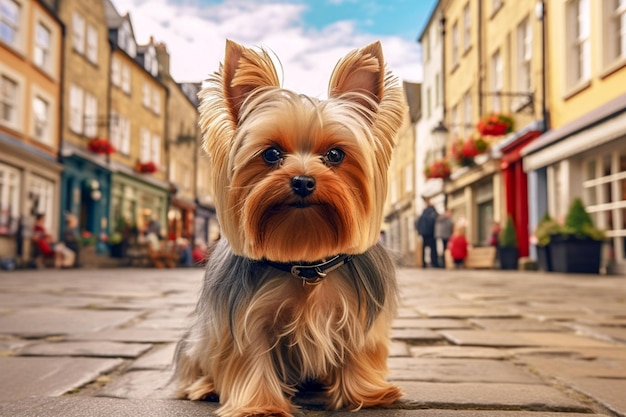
(466,343)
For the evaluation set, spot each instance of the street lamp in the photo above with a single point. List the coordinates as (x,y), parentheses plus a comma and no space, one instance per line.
(440,138)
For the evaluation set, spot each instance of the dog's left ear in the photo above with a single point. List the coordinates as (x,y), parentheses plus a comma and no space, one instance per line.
(360,76)
(243,71)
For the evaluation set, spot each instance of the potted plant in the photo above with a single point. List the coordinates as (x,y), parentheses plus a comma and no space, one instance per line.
(464,151)
(495,124)
(438,169)
(146,167)
(546,227)
(507,246)
(577,247)
(100,146)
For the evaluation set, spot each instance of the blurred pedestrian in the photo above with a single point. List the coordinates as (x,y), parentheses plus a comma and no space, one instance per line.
(425,227)
(458,246)
(443,231)
(71,237)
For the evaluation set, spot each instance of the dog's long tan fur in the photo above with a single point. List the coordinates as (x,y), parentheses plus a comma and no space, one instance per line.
(258,332)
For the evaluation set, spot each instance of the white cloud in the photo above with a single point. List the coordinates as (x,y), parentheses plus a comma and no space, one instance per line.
(195,38)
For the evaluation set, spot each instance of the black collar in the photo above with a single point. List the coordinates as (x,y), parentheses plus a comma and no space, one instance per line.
(311,273)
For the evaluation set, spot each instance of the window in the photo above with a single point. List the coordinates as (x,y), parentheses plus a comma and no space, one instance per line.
(156,101)
(467,27)
(467,111)
(125,39)
(42,46)
(78,33)
(92,44)
(91,115)
(524,55)
(124,132)
(578,48)
(156,150)
(146,95)
(144,146)
(8,101)
(42,192)
(455,44)
(455,121)
(41,120)
(116,76)
(76,109)
(604,195)
(9,22)
(125,79)
(495,6)
(9,199)
(114,131)
(615,31)
(496,80)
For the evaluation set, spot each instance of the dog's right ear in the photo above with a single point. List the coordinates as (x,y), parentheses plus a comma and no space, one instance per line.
(243,71)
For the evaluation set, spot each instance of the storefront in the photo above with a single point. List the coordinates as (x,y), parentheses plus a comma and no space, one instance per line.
(136,199)
(180,218)
(206,226)
(474,196)
(515,182)
(29,185)
(585,158)
(86,186)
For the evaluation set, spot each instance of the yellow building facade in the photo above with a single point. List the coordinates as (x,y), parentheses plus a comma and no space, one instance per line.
(493,53)
(30,82)
(583,154)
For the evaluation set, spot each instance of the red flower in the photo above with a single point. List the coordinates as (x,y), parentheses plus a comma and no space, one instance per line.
(464,151)
(495,124)
(146,167)
(438,169)
(101,146)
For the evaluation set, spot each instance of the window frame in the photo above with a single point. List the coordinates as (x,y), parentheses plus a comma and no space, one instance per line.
(78,32)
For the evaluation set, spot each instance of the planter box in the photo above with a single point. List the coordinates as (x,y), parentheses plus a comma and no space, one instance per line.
(544,258)
(508,258)
(575,255)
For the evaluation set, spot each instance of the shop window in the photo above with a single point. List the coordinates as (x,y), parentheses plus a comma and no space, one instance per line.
(9,199)
(41,192)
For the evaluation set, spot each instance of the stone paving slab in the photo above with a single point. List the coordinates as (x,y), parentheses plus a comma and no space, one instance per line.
(76,406)
(41,322)
(570,367)
(458,370)
(24,377)
(89,349)
(519,339)
(432,324)
(419,335)
(467,352)
(131,335)
(160,357)
(609,392)
(517,325)
(489,396)
(138,385)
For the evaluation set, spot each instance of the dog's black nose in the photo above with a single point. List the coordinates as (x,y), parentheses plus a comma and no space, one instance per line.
(303,185)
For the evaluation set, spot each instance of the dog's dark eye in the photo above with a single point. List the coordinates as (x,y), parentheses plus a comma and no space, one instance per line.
(272,155)
(335,156)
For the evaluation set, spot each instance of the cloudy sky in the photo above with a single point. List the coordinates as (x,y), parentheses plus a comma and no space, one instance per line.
(308,36)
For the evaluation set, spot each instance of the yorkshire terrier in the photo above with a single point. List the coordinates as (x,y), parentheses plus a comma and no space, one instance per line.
(298,290)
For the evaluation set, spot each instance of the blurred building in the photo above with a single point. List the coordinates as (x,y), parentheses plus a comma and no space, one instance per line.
(400,205)
(138,101)
(86,175)
(583,154)
(31,59)
(183,145)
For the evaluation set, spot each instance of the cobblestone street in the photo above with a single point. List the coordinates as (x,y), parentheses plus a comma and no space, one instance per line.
(466,343)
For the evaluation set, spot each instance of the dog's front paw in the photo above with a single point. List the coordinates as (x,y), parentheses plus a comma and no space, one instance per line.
(227,411)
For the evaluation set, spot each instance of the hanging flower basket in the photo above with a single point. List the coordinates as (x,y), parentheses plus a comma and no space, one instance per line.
(101,146)
(146,167)
(464,151)
(438,169)
(495,124)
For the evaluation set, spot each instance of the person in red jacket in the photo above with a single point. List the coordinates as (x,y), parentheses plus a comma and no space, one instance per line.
(458,246)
